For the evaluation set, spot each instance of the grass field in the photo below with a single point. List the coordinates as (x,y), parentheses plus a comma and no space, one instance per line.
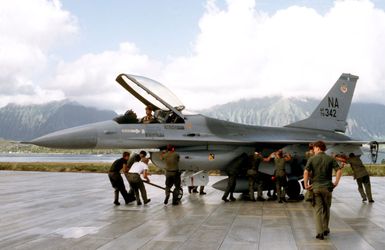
(374,169)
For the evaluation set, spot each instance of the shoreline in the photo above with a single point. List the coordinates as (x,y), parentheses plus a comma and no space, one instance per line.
(103,167)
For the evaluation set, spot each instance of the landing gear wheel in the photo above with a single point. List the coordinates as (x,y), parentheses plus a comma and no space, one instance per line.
(294,190)
(373,151)
(180,194)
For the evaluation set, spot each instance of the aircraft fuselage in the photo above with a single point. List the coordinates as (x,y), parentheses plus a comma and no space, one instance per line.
(204,143)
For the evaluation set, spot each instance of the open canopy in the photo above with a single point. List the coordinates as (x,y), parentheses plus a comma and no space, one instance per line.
(151,92)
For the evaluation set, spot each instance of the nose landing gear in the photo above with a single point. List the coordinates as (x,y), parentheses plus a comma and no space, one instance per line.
(373,151)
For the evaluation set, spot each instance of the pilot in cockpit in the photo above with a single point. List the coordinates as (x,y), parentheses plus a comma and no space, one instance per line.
(148,118)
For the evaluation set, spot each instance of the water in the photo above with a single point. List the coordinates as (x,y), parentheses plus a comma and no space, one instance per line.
(37,157)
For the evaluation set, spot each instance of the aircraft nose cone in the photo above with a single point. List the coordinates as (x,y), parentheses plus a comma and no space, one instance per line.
(73,138)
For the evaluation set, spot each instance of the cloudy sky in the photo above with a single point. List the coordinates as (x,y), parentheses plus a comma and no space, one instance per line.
(207,52)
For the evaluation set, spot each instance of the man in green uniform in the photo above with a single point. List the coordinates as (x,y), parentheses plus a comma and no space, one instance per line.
(361,176)
(252,174)
(280,173)
(232,171)
(172,174)
(321,165)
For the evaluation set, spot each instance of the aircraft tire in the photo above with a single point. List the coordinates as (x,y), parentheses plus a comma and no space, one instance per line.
(294,189)
(180,194)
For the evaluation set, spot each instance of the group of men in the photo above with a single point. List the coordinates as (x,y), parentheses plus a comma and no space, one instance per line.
(317,177)
(134,169)
(319,168)
(254,176)
(317,180)
(133,172)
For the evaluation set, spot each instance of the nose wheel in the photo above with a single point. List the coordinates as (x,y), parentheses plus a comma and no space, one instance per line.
(180,193)
(373,151)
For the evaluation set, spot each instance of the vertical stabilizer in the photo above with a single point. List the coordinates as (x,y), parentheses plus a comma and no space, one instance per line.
(333,110)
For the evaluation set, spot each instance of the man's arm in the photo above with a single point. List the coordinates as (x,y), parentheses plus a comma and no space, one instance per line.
(338,177)
(287,157)
(163,155)
(125,168)
(306,179)
(343,160)
(267,159)
(145,175)
(306,173)
(340,158)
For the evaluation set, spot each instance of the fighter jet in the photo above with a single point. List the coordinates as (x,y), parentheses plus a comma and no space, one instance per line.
(205,143)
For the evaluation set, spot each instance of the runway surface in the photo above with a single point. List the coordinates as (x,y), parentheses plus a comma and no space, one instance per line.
(75,211)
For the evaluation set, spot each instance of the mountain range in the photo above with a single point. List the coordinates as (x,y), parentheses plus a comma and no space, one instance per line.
(366,121)
(27,122)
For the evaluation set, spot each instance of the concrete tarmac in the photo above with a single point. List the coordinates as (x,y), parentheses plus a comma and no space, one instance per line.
(74,211)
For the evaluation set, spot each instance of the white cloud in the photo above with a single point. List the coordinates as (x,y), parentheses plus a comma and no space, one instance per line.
(240,52)
(91,79)
(29,29)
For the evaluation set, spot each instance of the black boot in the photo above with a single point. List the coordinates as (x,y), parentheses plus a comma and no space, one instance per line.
(116,197)
(201,190)
(166,199)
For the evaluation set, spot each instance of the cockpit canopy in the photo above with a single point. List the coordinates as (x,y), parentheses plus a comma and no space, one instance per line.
(167,107)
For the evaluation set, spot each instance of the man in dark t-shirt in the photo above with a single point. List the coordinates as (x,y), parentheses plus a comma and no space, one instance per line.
(116,178)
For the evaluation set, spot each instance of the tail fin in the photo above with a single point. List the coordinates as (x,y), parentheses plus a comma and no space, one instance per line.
(331,113)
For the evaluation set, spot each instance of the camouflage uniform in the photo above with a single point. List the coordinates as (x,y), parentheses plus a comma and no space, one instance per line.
(309,193)
(362,177)
(322,165)
(252,174)
(172,176)
(231,183)
(280,178)
(232,171)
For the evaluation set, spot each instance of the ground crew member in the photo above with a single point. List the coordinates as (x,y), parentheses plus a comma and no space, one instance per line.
(232,171)
(280,173)
(136,182)
(117,180)
(321,165)
(172,174)
(253,177)
(361,175)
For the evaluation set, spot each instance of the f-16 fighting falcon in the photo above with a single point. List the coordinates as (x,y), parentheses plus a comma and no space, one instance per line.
(205,143)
